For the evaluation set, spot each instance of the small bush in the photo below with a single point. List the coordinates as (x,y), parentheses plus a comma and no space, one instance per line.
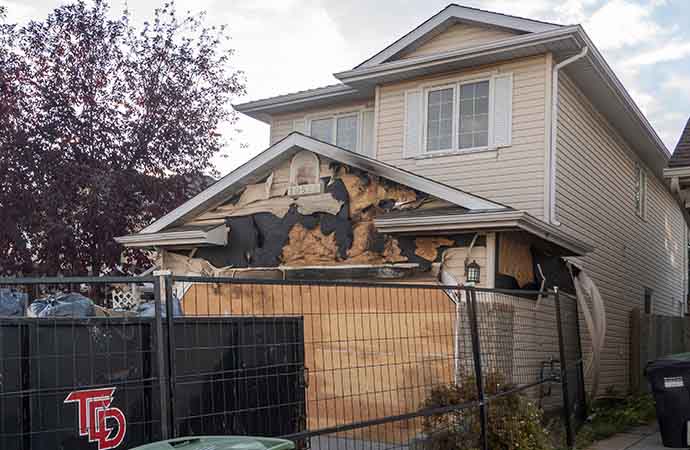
(609,416)
(514,422)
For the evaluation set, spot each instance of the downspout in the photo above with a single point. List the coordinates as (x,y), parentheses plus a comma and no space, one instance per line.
(554,132)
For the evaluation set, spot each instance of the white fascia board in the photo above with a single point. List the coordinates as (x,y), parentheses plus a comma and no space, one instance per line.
(458,13)
(490,221)
(261,109)
(218,191)
(680,172)
(215,236)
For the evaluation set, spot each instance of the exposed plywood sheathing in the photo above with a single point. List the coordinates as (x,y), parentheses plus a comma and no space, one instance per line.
(365,332)
(333,228)
(515,257)
(427,247)
(367,191)
(309,247)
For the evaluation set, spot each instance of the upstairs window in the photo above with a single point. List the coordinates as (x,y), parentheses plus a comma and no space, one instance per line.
(640,191)
(342,131)
(439,128)
(346,132)
(322,129)
(474,115)
(457,117)
(353,131)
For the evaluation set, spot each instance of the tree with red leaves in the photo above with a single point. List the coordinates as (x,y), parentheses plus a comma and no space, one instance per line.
(104,127)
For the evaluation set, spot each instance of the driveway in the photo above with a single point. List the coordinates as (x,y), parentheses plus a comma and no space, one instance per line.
(642,438)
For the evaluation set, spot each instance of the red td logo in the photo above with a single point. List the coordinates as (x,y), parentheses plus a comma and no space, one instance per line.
(97,420)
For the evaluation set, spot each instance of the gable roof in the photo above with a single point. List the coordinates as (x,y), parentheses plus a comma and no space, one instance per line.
(592,74)
(260,166)
(681,155)
(448,16)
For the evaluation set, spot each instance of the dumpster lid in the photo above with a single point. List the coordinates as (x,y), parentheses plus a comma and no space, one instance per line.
(220,443)
(677,360)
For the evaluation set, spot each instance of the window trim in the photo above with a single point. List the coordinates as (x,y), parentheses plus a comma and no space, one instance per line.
(455,138)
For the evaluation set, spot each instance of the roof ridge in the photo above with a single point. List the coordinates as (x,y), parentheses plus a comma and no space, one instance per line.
(507,15)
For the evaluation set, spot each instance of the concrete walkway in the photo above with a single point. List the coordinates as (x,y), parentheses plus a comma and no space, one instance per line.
(641,438)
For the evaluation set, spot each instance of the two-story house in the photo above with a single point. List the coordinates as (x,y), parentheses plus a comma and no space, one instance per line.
(477,137)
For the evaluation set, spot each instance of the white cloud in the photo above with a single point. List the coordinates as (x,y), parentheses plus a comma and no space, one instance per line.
(621,23)
(678,84)
(18,12)
(670,51)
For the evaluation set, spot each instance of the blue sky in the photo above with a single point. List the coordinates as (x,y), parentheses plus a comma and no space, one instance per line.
(289,45)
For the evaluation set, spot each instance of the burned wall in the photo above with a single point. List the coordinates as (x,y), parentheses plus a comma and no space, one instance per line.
(268,227)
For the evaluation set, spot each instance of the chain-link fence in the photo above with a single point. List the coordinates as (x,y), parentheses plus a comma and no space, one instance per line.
(331,365)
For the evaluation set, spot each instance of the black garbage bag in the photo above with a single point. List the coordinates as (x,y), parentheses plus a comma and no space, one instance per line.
(148,309)
(12,302)
(70,304)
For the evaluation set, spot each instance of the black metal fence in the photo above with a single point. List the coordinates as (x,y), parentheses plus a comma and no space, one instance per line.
(331,365)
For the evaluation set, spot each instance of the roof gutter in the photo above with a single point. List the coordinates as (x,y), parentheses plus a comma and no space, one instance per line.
(554,133)
(489,221)
(213,237)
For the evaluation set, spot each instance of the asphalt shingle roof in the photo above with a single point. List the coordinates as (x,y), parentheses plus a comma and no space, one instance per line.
(681,155)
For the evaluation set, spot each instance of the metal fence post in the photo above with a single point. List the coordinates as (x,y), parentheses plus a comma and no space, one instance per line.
(569,435)
(476,353)
(158,292)
(172,371)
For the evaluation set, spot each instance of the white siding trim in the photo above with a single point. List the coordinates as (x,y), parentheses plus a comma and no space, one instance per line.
(377,109)
(490,260)
(413,134)
(497,102)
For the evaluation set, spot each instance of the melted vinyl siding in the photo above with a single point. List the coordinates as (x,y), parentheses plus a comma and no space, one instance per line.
(460,36)
(282,124)
(512,175)
(595,202)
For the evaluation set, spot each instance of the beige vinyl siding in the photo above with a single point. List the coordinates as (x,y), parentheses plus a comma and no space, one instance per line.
(459,36)
(595,202)
(511,175)
(283,124)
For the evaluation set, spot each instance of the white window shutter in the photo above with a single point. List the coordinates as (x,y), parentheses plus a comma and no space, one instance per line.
(367,144)
(299,125)
(503,110)
(412,137)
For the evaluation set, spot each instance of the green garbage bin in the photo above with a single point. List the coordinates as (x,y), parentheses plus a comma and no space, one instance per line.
(219,443)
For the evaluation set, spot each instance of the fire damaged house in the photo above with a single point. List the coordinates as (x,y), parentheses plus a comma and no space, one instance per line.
(477,143)
(307,209)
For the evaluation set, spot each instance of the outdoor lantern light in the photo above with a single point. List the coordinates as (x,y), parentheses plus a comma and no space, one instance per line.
(472,272)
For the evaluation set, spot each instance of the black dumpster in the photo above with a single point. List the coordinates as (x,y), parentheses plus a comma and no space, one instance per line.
(59,377)
(669,380)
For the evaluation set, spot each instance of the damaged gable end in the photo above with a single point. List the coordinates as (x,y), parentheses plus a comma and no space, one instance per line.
(330,225)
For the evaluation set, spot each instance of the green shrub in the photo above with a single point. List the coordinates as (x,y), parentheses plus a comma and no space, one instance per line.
(609,416)
(514,422)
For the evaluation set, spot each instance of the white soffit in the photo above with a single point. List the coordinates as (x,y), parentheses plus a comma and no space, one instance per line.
(258,167)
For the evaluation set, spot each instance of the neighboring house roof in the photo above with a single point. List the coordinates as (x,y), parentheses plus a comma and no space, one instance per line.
(261,165)
(448,16)
(681,155)
(592,74)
